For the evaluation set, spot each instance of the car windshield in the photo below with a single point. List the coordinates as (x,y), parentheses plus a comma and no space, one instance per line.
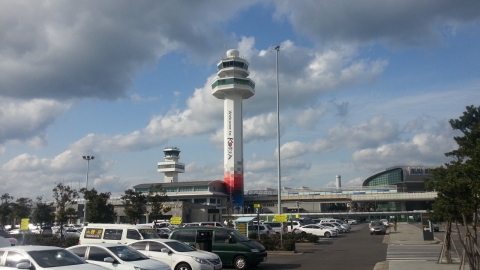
(127,254)
(149,233)
(55,258)
(239,237)
(4,234)
(377,224)
(179,246)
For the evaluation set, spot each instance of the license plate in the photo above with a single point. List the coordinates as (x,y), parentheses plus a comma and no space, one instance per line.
(218,267)
(264,259)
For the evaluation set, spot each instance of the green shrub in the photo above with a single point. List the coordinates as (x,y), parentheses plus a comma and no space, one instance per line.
(46,240)
(289,244)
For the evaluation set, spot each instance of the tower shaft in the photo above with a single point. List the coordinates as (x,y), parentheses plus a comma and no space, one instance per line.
(233,149)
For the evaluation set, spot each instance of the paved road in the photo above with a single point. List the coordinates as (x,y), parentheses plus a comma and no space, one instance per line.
(355,250)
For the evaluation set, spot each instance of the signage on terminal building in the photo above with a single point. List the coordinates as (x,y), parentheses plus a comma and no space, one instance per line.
(418,170)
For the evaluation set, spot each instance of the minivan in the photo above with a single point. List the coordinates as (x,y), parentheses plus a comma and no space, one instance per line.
(230,245)
(95,233)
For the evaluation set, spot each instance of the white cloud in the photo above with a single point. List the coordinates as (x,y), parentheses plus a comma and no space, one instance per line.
(27,120)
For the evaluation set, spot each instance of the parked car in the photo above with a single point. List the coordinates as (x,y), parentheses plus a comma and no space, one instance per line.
(193,224)
(116,256)
(377,227)
(278,227)
(318,230)
(333,226)
(46,230)
(116,233)
(436,227)
(261,229)
(12,240)
(230,245)
(338,221)
(342,226)
(352,221)
(292,224)
(163,232)
(69,232)
(178,255)
(43,257)
(385,222)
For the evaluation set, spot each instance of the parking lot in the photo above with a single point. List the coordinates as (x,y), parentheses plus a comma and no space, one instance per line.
(355,250)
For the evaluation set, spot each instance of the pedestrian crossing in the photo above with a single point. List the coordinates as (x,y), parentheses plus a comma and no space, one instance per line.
(415,253)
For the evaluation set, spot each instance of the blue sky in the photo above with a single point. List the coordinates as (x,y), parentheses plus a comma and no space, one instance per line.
(363,87)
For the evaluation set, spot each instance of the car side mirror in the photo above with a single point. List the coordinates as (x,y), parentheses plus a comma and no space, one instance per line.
(109,260)
(23,265)
(231,241)
(165,250)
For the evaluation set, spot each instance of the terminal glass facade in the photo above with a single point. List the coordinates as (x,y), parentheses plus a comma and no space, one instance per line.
(391,177)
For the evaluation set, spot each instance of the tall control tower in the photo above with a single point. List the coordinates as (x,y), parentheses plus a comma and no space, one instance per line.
(233,86)
(171,167)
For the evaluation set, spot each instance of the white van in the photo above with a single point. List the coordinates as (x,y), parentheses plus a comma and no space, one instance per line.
(95,233)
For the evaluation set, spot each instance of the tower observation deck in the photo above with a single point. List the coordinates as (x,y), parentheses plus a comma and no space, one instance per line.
(233,86)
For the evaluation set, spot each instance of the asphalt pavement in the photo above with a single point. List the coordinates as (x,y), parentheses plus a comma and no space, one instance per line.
(409,237)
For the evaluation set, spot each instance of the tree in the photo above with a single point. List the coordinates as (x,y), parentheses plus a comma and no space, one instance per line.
(155,198)
(63,196)
(71,214)
(99,210)
(459,182)
(5,208)
(134,205)
(21,208)
(42,213)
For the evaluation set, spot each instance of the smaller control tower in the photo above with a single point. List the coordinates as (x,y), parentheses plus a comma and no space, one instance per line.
(171,167)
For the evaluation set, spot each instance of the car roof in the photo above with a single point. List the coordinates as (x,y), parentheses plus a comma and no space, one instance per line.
(107,245)
(202,227)
(30,248)
(161,240)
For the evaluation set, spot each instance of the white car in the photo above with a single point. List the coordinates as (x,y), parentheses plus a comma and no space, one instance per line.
(318,230)
(116,256)
(352,221)
(42,257)
(8,237)
(334,227)
(178,255)
(385,222)
(342,226)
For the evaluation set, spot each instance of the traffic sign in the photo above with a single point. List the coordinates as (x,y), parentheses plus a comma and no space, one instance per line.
(280,218)
(176,220)
(24,224)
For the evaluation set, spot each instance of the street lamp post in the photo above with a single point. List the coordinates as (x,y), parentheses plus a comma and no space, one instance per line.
(87,158)
(279,201)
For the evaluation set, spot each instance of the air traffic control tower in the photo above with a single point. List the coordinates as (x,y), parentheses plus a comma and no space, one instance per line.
(171,166)
(233,86)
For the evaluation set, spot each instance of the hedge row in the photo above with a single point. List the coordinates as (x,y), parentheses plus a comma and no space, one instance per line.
(274,242)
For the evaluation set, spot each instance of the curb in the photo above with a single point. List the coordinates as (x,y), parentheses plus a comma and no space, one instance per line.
(381,266)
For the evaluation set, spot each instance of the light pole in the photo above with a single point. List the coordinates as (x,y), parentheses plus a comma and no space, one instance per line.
(298,208)
(87,158)
(279,201)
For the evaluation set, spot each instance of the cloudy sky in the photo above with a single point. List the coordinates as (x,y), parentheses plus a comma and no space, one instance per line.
(364,85)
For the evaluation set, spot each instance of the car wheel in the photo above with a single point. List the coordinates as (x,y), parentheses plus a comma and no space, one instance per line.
(183,266)
(327,234)
(304,234)
(240,262)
